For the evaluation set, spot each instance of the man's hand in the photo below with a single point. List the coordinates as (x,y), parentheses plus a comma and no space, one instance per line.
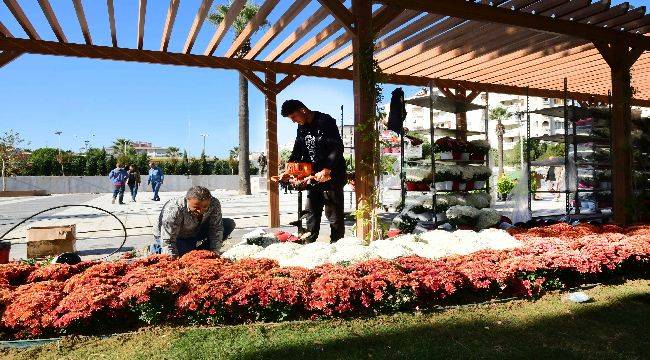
(323,175)
(284,177)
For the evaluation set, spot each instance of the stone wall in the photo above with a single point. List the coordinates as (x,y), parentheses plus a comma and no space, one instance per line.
(101,184)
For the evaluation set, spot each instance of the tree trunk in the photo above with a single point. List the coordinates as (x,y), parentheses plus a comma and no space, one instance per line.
(500,131)
(4,184)
(244,166)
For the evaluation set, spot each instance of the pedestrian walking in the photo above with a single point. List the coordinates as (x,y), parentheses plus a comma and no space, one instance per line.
(155,179)
(118,177)
(133,181)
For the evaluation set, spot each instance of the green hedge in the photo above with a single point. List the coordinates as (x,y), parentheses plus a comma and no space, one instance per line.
(97,162)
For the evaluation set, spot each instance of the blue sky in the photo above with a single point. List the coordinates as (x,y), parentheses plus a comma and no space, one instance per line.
(80,97)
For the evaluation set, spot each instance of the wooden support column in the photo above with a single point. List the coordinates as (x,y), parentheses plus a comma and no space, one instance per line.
(363,107)
(272,149)
(620,58)
(460,96)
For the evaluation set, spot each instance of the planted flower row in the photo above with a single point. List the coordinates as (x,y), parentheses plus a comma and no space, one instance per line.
(92,297)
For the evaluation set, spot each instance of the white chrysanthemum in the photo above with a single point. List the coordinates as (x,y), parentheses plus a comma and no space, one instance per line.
(467,242)
(241,252)
(497,239)
(347,241)
(487,217)
(429,251)
(309,256)
(388,249)
(434,236)
(279,251)
(352,254)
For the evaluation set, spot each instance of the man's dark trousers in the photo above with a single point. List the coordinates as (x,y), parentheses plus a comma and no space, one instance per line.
(332,200)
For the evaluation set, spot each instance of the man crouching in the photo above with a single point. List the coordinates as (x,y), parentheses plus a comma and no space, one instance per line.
(191,222)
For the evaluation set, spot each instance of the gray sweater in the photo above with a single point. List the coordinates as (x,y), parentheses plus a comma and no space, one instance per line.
(175,222)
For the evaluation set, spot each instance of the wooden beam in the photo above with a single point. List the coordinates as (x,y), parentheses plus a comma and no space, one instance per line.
(364,107)
(271,107)
(275,30)
(142,14)
(482,12)
(22,19)
(196,25)
(81,16)
(111,20)
(235,8)
(4,32)
(384,16)
(51,18)
(157,57)
(8,56)
(310,44)
(340,13)
(169,24)
(302,30)
(255,80)
(288,80)
(252,27)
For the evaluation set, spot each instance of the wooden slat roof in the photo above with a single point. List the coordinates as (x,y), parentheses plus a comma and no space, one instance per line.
(497,46)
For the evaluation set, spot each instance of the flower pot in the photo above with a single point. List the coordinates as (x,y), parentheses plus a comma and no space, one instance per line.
(605,185)
(441,185)
(449,185)
(479,185)
(469,185)
(416,186)
(503,197)
(5,248)
(441,216)
(394,232)
(457,155)
(464,156)
(447,155)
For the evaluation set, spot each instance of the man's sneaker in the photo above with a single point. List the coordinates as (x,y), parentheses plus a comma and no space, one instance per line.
(113,201)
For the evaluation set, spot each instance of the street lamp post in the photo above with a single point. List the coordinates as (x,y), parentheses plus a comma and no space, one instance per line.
(204,136)
(58,133)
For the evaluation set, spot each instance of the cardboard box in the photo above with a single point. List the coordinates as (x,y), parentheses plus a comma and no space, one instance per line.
(44,241)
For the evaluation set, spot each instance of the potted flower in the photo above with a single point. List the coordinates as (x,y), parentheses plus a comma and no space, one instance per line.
(449,148)
(417,179)
(463,216)
(446,175)
(487,218)
(505,185)
(480,175)
(479,149)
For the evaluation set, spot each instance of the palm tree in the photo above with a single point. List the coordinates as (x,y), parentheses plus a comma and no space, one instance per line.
(173,151)
(247,13)
(232,158)
(499,114)
(122,146)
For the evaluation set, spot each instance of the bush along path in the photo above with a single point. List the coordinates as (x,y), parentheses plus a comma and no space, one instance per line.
(201,288)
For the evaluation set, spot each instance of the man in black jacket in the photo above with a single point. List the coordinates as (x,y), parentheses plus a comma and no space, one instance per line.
(319,142)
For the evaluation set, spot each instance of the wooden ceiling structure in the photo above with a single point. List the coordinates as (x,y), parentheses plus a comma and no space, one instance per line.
(464,47)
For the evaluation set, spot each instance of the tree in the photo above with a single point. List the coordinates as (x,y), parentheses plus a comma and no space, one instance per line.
(12,157)
(245,15)
(123,147)
(233,159)
(44,162)
(499,114)
(173,151)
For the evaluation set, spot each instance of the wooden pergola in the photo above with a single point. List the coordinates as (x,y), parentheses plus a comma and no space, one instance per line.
(462,47)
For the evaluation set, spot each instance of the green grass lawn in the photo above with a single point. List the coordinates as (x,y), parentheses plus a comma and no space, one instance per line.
(616,325)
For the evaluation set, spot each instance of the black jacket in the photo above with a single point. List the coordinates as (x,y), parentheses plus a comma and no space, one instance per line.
(320,143)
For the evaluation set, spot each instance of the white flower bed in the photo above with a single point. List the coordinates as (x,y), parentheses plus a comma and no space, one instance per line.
(433,245)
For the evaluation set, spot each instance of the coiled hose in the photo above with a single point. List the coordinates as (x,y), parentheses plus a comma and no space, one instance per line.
(75,205)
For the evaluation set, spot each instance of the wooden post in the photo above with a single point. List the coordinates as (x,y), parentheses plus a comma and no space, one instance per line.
(271,105)
(620,59)
(461,125)
(363,106)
